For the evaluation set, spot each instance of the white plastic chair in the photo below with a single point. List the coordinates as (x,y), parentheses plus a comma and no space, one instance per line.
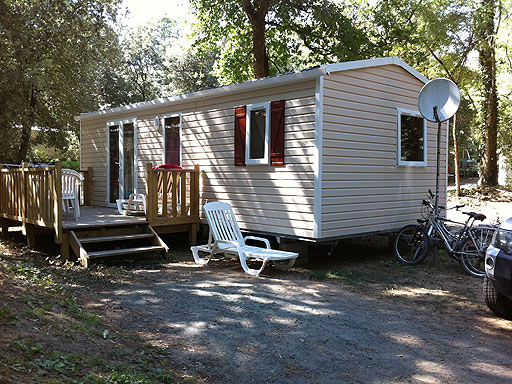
(228,240)
(136,204)
(71,181)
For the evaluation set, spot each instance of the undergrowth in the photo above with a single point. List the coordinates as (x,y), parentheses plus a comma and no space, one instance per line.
(50,337)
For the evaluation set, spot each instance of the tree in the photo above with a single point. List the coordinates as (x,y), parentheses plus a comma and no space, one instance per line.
(149,64)
(279,36)
(51,55)
(487,22)
(449,32)
(145,58)
(192,72)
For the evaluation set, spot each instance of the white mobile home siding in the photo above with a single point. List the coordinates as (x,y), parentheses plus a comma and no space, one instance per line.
(266,198)
(363,189)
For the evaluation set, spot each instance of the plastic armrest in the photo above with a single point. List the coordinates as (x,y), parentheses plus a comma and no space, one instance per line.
(234,243)
(267,243)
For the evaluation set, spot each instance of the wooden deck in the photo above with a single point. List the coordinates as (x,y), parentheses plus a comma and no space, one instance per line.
(99,217)
(31,197)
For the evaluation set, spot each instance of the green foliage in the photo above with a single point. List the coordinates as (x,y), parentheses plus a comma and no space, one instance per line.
(54,361)
(434,37)
(7,317)
(44,151)
(51,54)
(349,277)
(29,273)
(441,38)
(148,66)
(192,71)
(123,374)
(72,307)
(39,155)
(505,134)
(71,164)
(297,34)
(122,377)
(470,137)
(144,58)
(28,347)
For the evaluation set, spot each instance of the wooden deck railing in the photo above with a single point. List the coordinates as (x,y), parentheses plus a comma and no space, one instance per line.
(32,195)
(172,196)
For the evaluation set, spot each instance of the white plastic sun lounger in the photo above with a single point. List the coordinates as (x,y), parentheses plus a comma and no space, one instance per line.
(228,240)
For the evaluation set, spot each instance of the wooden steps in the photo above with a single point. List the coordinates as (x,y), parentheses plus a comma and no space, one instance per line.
(119,241)
(126,251)
(116,238)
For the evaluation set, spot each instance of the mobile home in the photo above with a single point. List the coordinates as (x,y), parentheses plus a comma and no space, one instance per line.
(334,151)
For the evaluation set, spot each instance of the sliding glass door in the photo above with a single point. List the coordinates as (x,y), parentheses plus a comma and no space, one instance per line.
(122,161)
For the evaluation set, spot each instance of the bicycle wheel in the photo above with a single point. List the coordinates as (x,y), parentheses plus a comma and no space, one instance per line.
(411,244)
(472,258)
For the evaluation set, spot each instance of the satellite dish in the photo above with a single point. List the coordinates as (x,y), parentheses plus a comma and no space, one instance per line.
(442,94)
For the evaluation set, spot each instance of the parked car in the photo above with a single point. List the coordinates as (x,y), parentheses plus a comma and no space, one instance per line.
(498,270)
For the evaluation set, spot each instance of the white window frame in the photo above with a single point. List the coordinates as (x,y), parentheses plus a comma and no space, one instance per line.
(162,123)
(266,151)
(401,162)
(121,156)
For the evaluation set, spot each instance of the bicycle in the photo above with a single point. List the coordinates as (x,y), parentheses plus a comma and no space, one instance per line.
(465,242)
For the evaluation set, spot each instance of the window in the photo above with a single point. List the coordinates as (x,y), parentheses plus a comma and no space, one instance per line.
(412,134)
(129,160)
(172,139)
(113,166)
(257,133)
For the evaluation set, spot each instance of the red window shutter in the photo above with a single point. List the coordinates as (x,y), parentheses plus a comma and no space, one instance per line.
(240,135)
(277,132)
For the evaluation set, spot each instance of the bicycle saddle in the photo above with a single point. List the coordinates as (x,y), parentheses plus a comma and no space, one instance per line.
(476,216)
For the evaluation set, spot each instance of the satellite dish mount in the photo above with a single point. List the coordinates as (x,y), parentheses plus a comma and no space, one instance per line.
(438,101)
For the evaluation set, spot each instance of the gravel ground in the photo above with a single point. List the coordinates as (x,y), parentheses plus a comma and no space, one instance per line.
(227,327)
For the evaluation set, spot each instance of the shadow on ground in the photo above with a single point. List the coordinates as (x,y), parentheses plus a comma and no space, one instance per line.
(353,316)
(368,320)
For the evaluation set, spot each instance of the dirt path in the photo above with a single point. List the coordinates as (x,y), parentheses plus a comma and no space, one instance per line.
(496,204)
(230,328)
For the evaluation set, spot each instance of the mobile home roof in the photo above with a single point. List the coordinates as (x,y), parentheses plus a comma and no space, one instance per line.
(266,82)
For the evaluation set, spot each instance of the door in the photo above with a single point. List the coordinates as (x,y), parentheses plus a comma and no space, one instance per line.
(122,164)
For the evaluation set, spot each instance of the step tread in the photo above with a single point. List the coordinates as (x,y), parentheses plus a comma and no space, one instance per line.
(125,251)
(100,239)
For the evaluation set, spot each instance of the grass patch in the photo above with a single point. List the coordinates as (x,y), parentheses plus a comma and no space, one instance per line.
(347,276)
(7,317)
(126,375)
(73,309)
(27,272)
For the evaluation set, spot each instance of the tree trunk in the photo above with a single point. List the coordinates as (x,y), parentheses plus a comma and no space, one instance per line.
(26,130)
(487,60)
(456,158)
(27,124)
(256,13)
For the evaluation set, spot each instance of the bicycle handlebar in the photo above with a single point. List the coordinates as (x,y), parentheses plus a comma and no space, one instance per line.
(429,204)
